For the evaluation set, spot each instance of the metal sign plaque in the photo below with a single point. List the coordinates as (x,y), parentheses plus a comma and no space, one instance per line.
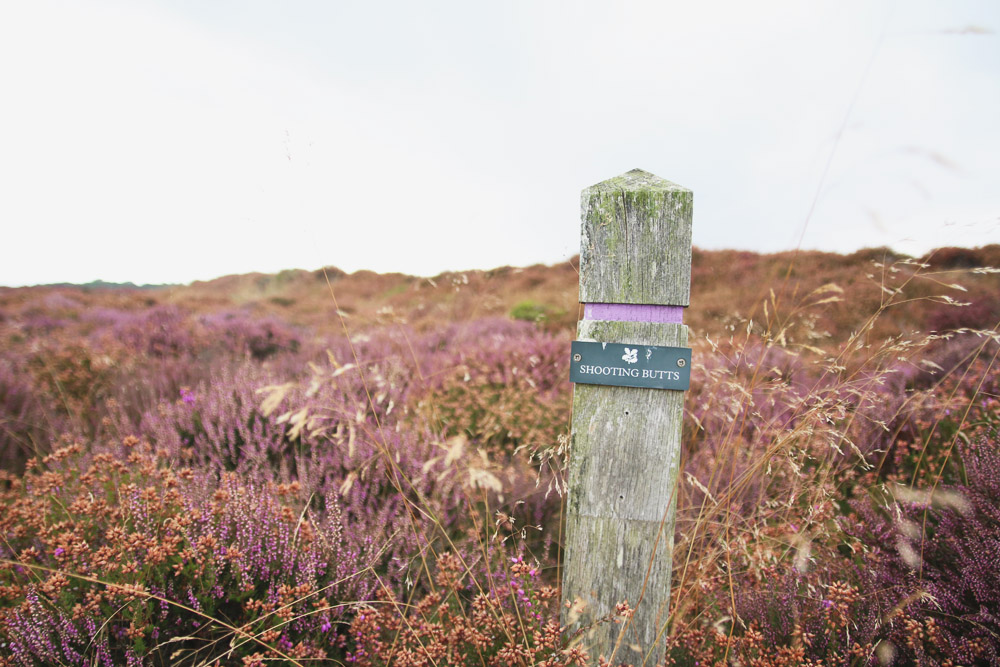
(623,365)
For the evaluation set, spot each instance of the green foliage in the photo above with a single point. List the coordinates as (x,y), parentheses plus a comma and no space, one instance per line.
(528,311)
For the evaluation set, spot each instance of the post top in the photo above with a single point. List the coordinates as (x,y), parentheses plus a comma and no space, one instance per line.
(637,179)
(635,245)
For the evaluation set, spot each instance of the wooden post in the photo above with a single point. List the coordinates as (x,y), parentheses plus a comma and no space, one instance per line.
(635,279)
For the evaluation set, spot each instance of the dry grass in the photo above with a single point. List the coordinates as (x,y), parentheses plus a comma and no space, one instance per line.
(818,393)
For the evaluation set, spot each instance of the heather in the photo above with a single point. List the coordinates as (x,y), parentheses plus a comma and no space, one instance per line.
(225,476)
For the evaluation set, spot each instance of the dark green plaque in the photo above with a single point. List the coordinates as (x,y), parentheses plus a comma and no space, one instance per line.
(624,365)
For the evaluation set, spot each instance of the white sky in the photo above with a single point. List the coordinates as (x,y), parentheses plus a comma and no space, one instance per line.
(172,141)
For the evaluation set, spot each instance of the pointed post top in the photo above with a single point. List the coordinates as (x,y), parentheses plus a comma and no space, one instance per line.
(637,179)
(636,241)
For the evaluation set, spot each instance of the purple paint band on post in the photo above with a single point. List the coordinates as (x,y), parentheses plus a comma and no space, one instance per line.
(633,312)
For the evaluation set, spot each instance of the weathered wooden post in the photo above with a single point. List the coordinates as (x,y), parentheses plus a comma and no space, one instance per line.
(631,367)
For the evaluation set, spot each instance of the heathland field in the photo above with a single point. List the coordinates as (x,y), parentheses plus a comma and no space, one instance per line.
(320,468)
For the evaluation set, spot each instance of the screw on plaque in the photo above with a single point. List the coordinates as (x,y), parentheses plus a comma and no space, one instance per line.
(682,363)
(577,357)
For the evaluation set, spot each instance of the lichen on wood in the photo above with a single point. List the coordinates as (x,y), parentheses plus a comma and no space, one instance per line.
(625,444)
(624,464)
(636,241)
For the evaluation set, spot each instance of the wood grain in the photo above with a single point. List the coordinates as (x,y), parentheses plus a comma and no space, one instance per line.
(635,244)
(625,444)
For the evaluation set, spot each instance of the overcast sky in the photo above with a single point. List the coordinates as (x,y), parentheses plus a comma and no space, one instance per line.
(173,141)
